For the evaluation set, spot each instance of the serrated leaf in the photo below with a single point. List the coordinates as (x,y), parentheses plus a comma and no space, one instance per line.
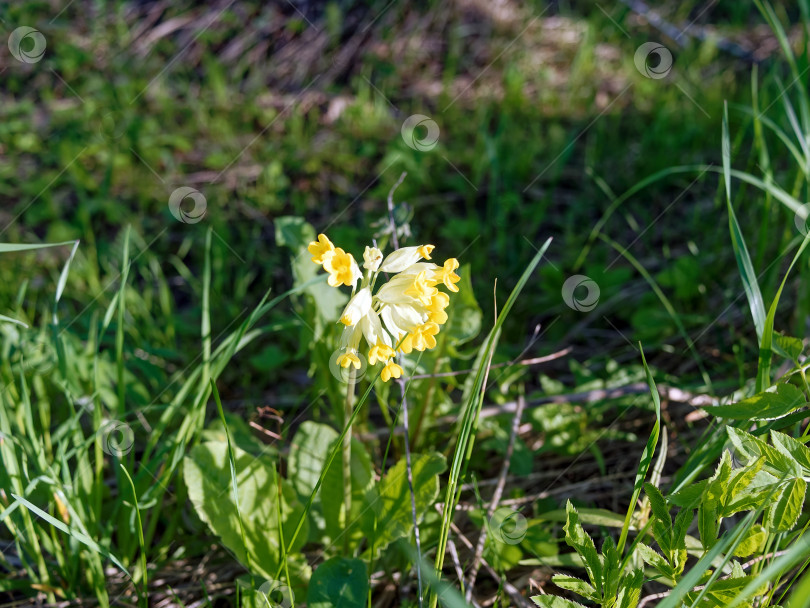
(767,405)
(793,449)
(752,542)
(554,601)
(791,346)
(582,543)
(722,591)
(578,586)
(653,558)
(689,496)
(749,448)
(339,583)
(630,593)
(738,486)
(784,509)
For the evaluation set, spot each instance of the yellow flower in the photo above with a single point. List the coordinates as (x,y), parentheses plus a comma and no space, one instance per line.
(423,336)
(446,274)
(404,315)
(347,359)
(342,268)
(380,352)
(422,289)
(321,249)
(372,258)
(436,308)
(391,370)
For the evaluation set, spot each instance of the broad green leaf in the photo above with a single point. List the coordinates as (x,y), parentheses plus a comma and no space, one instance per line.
(337,523)
(793,449)
(767,405)
(309,451)
(388,516)
(611,571)
(738,485)
(578,586)
(785,507)
(750,448)
(582,543)
(206,471)
(339,583)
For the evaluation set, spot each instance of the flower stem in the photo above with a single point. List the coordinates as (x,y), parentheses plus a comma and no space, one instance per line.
(347,459)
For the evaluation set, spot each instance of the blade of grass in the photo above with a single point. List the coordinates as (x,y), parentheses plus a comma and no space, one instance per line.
(471,410)
(749,277)
(144,596)
(646,455)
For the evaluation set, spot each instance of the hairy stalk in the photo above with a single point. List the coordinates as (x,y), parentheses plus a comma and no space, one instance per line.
(347,455)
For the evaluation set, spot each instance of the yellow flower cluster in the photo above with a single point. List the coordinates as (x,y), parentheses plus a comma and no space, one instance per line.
(406,313)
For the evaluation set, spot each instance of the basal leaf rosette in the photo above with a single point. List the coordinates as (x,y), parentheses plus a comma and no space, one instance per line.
(406,312)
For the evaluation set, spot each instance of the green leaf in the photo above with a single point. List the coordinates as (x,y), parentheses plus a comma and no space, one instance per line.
(630,592)
(690,495)
(389,502)
(653,558)
(753,541)
(309,451)
(791,346)
(554,601)
(206,471)
(746,268)
(784,509)
(750,448)
(339,583)
(767,405)
(578,586)
(582,543)
(337,523)
(721,591)
(793,449)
